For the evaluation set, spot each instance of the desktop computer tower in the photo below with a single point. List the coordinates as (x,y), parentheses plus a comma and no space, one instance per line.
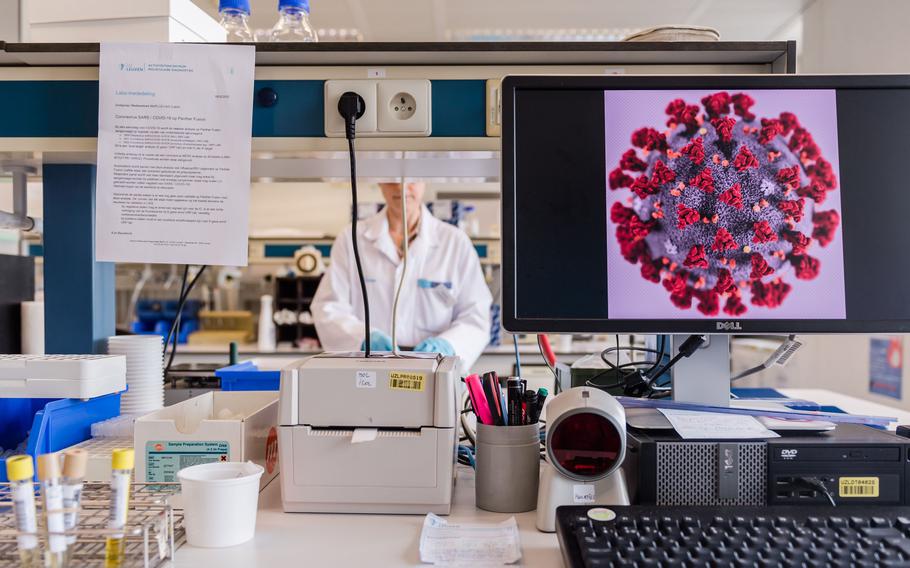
(855,465)
(663,469)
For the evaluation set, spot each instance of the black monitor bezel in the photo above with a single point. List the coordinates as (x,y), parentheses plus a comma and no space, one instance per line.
(511,84)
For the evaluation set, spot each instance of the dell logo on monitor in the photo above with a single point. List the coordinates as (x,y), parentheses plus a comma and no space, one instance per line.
(729,326)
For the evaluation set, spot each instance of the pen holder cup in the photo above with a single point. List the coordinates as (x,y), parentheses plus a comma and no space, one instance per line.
(508,468)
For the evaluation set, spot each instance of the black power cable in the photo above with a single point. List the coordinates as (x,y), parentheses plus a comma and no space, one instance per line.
(185,290)
(176,324)
(688,347)
(351,106)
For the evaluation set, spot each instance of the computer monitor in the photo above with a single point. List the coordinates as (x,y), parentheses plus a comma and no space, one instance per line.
(706,204)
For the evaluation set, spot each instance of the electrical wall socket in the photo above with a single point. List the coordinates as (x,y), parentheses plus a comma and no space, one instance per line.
(393,107)
(403,107)
(334,123)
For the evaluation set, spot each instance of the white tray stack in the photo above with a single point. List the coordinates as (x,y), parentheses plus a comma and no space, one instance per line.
(61,376)
(144,371)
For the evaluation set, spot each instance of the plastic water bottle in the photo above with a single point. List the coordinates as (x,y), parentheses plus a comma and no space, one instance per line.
(293,22)
(267,335)
(234,16)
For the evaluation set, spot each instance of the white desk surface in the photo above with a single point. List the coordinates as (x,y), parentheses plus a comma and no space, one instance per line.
(298,539)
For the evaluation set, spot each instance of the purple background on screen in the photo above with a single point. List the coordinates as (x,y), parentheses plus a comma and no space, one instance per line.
(632,297)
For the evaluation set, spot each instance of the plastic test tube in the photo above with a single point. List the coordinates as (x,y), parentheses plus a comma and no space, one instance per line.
(121,472)
(74,464)
(52,494)
(20,470)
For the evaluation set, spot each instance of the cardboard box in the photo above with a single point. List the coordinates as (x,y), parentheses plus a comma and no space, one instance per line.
(191,433)
(120,20)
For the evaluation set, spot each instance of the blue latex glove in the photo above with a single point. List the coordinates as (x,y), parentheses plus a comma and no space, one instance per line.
(378,342)
(435,345)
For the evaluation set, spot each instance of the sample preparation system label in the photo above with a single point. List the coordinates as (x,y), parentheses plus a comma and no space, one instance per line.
(164,459)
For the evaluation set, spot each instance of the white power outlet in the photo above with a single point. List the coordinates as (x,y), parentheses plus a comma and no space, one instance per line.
(403,107)
(334,123)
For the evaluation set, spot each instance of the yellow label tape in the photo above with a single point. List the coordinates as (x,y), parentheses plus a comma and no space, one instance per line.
(858,487)
(400,380)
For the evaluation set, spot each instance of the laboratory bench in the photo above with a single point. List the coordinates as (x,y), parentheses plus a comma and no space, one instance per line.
(285,539)
(499,358)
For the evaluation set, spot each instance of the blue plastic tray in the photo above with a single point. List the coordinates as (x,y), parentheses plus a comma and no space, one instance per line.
(246,376)
(51,424)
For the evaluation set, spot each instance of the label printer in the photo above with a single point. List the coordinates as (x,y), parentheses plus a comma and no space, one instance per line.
(368,435)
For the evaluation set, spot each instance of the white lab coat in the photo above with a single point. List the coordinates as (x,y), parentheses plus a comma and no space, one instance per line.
(441,254)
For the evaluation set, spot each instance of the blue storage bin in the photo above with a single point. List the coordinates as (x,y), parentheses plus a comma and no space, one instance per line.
(247,376)
(55,424)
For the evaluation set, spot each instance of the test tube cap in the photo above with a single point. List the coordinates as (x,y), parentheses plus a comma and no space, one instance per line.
(48,466)
(19,468)
(123,458)
(75,462)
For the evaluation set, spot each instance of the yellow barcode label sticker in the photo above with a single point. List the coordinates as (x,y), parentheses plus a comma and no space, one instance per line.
(401,380)
(858,487)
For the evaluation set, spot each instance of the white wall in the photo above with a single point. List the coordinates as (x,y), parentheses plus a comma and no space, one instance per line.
(9,20)
(856,36)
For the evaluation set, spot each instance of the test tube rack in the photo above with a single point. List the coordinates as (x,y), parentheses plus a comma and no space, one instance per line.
(153,533)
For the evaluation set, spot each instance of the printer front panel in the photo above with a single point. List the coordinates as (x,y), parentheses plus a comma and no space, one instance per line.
(403,472)
(367,393)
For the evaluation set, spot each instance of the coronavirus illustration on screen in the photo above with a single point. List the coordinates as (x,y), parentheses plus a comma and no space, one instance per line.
(723,208)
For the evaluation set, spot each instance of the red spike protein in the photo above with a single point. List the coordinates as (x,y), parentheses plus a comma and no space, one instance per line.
(724,208)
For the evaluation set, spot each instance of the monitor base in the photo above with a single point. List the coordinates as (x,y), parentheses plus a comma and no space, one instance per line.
(703,378)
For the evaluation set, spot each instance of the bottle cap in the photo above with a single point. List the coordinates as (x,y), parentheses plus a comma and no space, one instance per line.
(123,458)
(241,5)
(75,462)
(19,468)
(48,466)
(300,4)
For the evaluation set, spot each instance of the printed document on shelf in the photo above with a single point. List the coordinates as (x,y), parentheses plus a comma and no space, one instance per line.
(174,148)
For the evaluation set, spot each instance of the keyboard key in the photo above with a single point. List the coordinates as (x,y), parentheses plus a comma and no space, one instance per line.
(900,543)
(859,522)
(837,522)
(690,522)
(878,533)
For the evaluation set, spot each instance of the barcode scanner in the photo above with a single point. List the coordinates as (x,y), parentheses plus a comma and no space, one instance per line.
(586,444)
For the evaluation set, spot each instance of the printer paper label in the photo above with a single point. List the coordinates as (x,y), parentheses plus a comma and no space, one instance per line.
(365,379)
(858,487)
(400,380)
(164,459)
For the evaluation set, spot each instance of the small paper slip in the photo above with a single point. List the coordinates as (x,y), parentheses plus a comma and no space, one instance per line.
(455,544)
(692,425)
(363,435)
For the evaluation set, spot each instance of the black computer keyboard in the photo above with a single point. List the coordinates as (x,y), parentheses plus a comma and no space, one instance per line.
(734,536)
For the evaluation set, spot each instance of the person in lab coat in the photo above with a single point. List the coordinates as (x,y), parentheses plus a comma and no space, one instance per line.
(445,302)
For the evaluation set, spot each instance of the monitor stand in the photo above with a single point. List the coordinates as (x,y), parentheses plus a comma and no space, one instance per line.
(703,378)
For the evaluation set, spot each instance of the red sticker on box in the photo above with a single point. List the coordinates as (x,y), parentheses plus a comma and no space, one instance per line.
(271,451)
